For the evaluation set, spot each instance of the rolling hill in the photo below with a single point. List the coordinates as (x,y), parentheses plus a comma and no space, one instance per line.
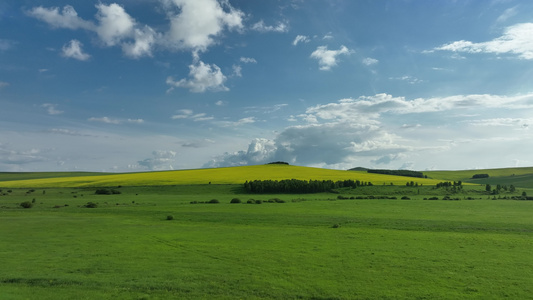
(231,175)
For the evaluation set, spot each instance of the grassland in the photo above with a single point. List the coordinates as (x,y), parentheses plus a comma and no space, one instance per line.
(311,246)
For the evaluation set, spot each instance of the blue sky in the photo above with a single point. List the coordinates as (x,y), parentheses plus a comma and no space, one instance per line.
(138,85)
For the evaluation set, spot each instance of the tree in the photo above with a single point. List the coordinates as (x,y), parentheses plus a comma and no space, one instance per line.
(488,188)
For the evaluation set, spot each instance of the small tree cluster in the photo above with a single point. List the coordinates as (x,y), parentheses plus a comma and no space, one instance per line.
(295,186)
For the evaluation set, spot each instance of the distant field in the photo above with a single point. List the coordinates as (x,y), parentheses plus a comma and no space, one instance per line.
(234,175)
(519,177)
(7,176)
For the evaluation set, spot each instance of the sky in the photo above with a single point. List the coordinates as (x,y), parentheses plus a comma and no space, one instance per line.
(145,85)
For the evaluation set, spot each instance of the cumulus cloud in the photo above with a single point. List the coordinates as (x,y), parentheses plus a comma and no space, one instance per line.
(516,39)
(329,143)
(115,23)
(66,18)
(198,22)
(279,27)
(160,160)
(329,58)
(74,50)
(300,39)
(194,25)
(359,131)
(202,77)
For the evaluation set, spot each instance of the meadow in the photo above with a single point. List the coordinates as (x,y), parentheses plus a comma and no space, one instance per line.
(150,242)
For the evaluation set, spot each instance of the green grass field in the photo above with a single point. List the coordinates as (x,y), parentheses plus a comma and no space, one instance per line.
(312,246)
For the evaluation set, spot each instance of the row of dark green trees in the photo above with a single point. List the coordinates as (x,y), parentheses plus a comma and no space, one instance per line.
(295,186)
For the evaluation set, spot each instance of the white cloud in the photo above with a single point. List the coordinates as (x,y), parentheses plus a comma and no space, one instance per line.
(183,114)
(16,157)
(248,60)
(237,70)
(51,108)
(407,78)
(199,22)
(261,27)
(73,50)
(362,131)
(516,39)
(300,39)
(243,121)
(115,23)
(328,36)
(160,160)
(203,77)
(189,114)
(328,58)
(106,120)
(67,18)
(369,61)
(135,121)
(220,103)
(508,13)
(3,84)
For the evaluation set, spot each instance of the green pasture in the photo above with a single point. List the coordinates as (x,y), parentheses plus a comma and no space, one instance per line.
(313,246)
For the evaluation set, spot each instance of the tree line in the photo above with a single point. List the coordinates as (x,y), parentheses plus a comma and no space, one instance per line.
(295,186)
(407,173)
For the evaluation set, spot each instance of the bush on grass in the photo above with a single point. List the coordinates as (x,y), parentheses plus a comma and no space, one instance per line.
(91,205)
(170,217)
(26,204)
(235,200)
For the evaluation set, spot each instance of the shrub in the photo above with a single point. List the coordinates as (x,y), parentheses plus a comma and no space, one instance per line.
(406,198)
(235,200)
(91,205)
(336,225)
(26,204)
(170,217)
(213,201)
(258,201)
(250,201)
(106,192)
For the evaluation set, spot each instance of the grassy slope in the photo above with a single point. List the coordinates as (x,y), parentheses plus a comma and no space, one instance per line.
(9,176)
(519,177)
(234,175)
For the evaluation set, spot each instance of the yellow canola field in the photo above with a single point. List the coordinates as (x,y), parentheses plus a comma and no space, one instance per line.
(231,175)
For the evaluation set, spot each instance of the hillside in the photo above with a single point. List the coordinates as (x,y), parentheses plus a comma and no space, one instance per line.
(232,175)
(519,177)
